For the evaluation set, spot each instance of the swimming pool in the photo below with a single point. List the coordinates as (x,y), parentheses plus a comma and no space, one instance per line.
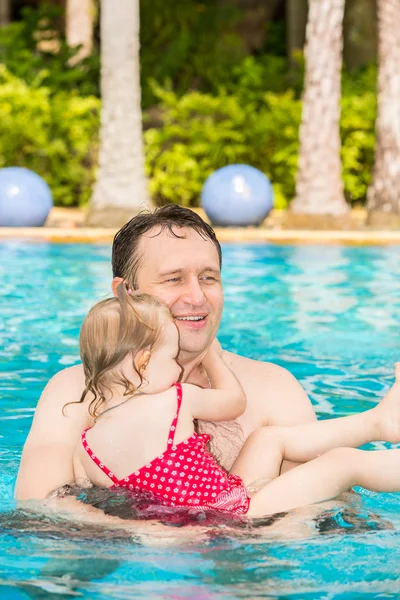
(327,313)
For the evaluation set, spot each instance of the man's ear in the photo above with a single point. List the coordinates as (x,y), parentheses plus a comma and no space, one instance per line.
(115,283)
(142,360)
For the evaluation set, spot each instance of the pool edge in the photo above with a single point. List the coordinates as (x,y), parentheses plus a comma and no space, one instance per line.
(245,234)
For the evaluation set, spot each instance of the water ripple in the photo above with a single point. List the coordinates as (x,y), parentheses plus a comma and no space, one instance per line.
(328,314)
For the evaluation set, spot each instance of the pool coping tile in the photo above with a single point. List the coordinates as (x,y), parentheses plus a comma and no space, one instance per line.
(237,234)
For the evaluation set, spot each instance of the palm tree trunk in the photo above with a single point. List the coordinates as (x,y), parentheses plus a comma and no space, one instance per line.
(360,33)
(251,27)
(120,191)
(296,21)
(79,26)
(319,198)
(5,12)
(384,191)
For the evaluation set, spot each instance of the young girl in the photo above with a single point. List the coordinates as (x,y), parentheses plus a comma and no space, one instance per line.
(144,437)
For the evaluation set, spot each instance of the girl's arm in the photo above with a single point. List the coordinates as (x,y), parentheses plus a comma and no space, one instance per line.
(225,400)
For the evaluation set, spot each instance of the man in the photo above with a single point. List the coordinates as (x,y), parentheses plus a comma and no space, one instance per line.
(174,255)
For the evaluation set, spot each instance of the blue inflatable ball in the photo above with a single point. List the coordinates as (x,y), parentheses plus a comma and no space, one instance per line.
(237,195)
(25,198)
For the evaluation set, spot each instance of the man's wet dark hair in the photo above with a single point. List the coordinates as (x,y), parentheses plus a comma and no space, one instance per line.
(125,256)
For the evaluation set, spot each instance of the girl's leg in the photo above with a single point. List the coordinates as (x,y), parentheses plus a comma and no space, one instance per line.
(264,450)
(260,459)
(327,477)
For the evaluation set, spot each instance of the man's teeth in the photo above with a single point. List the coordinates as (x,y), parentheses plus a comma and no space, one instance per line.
(190,318)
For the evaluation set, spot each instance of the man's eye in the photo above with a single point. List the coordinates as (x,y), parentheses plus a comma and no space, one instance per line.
(209,278)
(173,279)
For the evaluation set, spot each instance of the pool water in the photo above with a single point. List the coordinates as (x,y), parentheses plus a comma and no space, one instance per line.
(327,313)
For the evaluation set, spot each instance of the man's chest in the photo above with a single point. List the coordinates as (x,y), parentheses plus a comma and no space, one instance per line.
(227,439)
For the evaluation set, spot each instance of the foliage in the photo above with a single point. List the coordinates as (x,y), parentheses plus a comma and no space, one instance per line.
(207,104)
(188,44)
(55,135)
(202,132)
(36,51)
(358,132)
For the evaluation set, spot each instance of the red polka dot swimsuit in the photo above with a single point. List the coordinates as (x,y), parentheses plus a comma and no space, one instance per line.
(184,475)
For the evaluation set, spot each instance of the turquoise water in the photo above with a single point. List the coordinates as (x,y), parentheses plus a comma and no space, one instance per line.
(327,313)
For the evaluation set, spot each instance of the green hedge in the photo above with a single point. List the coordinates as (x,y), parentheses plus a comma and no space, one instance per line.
(200,133)
(53,63)
(56,135)
(241,108)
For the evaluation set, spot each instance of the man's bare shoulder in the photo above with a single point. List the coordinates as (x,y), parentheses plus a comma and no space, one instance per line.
(59,415)
(73,374)
(242,365)
(66,383)
(274,396)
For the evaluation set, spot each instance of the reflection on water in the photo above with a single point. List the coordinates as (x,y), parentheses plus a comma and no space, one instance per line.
(328,314)
(380,308)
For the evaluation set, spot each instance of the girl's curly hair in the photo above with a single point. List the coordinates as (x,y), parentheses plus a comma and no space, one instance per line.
(112,329)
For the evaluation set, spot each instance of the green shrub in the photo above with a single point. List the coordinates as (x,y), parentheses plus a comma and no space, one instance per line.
(253,76)
(358,142)
(192,44)
(201,133)
(189,44)
(51,63)
(54,135)
(358,132)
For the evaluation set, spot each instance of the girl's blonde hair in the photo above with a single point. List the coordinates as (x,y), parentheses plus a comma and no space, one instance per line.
(112,329)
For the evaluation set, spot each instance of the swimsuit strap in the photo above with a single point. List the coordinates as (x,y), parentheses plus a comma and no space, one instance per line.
(105,470)
(172,429)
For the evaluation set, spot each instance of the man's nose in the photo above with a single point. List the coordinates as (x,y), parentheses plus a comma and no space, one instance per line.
(193,293)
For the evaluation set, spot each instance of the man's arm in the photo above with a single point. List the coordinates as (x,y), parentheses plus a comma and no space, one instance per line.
(47,456)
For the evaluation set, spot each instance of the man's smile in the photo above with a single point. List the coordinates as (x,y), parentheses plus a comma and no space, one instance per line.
(194,321)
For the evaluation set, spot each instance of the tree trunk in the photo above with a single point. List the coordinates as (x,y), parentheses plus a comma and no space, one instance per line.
(360,33)
(319,187)
(120,191)
(384,192)
(79,26)
(5,12)
(296,21)
(256,14)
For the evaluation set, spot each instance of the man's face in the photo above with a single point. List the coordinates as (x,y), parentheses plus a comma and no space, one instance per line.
(184,273)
